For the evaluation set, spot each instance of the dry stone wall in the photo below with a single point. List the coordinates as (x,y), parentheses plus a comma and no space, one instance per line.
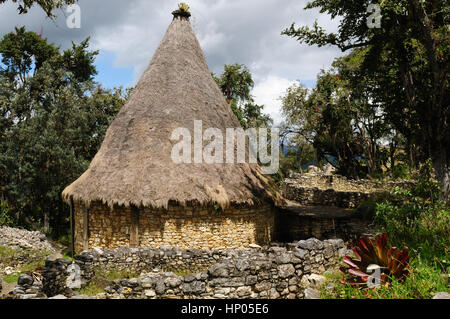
(333,190)
(278,271)
(204,228)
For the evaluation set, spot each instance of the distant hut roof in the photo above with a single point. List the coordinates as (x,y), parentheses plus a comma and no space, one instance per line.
(134,165)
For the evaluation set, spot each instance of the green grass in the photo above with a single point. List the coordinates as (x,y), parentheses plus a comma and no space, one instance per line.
(182,273)
(7,253)
(10,279)
(94,287)
(9,257)
(115,274)
(103,278)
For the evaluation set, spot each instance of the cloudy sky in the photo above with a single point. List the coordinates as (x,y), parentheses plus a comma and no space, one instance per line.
(249,32)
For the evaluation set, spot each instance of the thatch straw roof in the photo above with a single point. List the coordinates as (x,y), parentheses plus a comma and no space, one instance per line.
(134,165)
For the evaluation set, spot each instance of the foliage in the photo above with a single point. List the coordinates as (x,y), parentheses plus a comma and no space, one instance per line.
(236,83)
(183,7)
(95,286)
(416,216)
(115,274)
(47,5)
(23,260)
(5,215)
(52,123)
(426,279)
(338,118)
(11,279)
(407,60)
(392,263)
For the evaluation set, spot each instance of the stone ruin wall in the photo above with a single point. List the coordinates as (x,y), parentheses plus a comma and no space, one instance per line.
(203,228)
(275,272)
(334,190)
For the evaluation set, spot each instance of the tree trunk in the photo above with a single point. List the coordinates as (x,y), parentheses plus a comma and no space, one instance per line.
(46,223)
(442,170)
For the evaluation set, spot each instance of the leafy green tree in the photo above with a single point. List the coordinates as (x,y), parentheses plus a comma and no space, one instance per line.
(408,58)
(52,122)
(47,5)
(236,83)
(339,118)
(24,52)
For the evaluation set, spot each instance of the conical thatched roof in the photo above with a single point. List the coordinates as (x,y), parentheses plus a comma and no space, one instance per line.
(134,165)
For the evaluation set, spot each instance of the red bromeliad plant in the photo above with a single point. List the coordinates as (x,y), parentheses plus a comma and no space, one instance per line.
(393,263)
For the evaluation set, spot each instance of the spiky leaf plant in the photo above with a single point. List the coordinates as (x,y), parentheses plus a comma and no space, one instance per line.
(392,262)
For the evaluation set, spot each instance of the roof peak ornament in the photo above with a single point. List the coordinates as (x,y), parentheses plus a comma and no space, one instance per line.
(182,12)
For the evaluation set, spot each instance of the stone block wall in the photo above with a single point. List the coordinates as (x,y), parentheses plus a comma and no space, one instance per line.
(315,196)
(235,227)
(291,225)
(278,271)
(334,190)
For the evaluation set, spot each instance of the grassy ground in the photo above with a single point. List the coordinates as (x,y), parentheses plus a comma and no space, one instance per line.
(30,260)
(428,276)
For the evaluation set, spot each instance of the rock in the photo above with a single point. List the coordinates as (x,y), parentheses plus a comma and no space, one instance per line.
(313,169)
(242,265)
(172,282)
(251,280)
(262,286)
(274,294)
(81,297)
(442,295)
(337,243)
(160,287)
(244,291)
(218,270)
(304,282)
(149,293)
(194,287)
(284,258)
(310,244)
(147,282)
(311,293)
(329,169)
(98,251)
(254,246)
(58,297)
(316,280)
(300,253)
(9,271)
(25,280)
(285,271)
(21,238)
(28,296)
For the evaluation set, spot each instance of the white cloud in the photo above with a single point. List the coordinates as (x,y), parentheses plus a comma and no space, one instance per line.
(268,92)
(230,31)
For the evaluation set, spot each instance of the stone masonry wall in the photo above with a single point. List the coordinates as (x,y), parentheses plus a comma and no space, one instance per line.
(259,272)
(334,190)
(235,227)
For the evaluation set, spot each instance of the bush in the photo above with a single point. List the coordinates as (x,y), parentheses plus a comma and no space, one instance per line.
(416,217)
(5,215)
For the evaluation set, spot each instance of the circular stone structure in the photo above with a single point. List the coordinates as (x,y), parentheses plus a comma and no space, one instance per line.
(133,194)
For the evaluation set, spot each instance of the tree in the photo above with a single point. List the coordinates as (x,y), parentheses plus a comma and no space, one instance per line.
(52,122)
(339,118)
(236,83)
(413,46)
(47,5)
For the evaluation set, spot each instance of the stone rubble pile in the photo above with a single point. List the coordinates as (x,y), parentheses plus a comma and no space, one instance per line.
(17,238)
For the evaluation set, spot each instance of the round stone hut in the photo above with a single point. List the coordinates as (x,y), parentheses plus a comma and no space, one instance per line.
(134,194)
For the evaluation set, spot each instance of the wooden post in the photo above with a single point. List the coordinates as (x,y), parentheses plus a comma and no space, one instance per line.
(134,229)
(86,228)
(72,226)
